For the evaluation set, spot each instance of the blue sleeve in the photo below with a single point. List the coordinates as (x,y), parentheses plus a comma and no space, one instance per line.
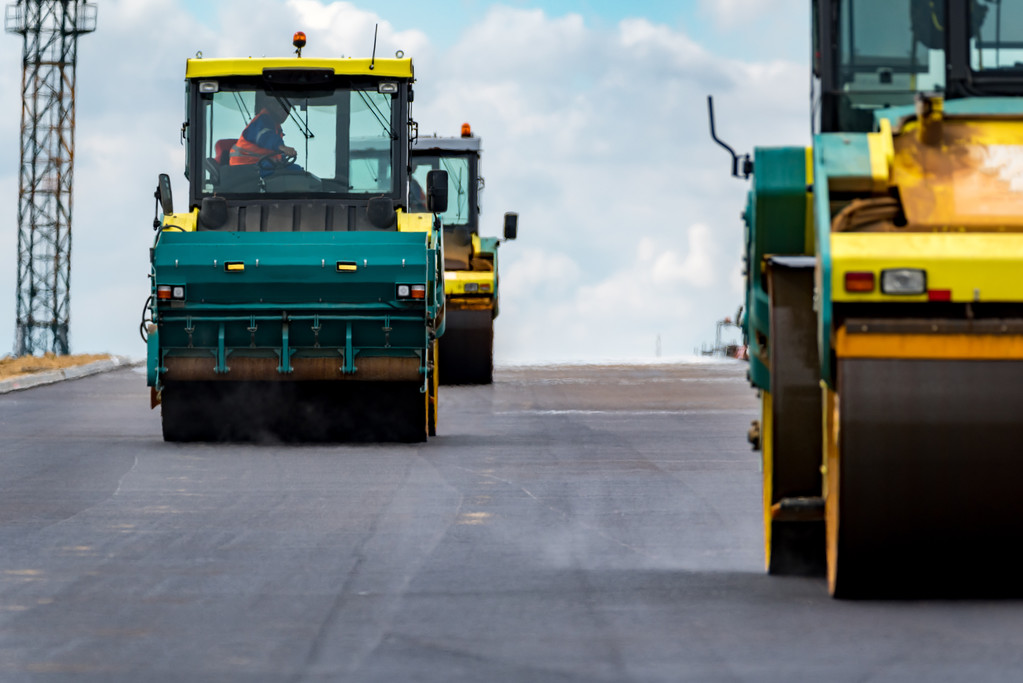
(263,132)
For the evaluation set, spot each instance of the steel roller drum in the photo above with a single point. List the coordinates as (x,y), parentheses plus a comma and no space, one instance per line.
(295,411)
(467,347)
(925,497)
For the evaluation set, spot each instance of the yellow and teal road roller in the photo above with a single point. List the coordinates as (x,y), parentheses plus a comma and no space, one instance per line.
(884,304)
(297,296)
(470,261)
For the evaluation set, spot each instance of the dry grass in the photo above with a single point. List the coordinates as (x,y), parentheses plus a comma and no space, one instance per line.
(11,366)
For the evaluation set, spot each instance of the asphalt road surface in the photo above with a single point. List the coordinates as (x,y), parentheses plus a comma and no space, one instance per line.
(567,524)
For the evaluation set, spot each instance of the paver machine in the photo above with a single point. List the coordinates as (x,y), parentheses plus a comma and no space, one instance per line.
(296,295)
(470,261)
(884,304)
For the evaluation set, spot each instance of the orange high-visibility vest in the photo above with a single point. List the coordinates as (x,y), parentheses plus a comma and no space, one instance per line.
(244,152)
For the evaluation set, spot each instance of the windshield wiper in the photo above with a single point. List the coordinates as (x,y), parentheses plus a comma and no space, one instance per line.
(378,114)
(458,185)
(303,128)
(241,106)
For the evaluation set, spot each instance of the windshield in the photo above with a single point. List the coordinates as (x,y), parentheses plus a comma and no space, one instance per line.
(997,37)
(257,142)
(460,180)
(889,50)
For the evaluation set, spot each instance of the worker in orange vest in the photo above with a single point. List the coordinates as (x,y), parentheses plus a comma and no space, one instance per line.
(262,141)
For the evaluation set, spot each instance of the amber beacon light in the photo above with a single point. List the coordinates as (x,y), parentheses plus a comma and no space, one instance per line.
(299,42)
(466,130)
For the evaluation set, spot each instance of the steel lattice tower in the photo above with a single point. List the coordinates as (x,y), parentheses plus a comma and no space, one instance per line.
(50,30)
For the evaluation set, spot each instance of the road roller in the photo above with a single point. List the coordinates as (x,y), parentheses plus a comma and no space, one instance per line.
(297,295)
(470,260)
(884,304)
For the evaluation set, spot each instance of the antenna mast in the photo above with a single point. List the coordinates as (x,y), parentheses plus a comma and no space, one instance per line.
(50,30)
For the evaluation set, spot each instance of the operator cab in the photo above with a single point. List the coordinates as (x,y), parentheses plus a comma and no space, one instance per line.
(460,158)
(870,55)
(350,144)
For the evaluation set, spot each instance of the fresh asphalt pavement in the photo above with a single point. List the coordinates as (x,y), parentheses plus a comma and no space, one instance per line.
(578,523)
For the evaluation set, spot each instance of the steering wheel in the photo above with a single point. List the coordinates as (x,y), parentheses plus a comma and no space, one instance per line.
(277,160)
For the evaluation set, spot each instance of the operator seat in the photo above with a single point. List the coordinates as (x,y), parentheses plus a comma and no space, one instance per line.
(220,159)
(222,150)
(228,178)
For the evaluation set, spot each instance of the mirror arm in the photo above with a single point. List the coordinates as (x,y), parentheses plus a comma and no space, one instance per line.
(747,164)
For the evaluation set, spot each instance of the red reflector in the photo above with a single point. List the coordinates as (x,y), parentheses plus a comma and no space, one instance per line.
(939,295)
(857,281)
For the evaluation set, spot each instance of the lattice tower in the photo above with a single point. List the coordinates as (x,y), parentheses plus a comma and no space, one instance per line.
(50,31)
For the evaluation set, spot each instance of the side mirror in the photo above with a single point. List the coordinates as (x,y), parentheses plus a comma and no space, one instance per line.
(511,225)
(163,194)
(437,191)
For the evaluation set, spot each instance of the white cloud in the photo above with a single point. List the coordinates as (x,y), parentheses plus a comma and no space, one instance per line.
(697,268)
(599,140)
(729,13)
(341,28)
(540,273)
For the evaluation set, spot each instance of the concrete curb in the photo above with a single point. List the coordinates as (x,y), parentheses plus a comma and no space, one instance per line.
(74,372)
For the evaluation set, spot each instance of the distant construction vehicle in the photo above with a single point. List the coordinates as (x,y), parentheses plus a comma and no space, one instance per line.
(296,296)
(470,261)
(721,347)
(884,304)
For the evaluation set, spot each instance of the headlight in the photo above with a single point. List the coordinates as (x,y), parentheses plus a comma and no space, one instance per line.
(904,281)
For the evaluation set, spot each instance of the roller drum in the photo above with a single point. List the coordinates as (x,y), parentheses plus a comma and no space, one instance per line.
(295,411)
(925,493)
(467,347)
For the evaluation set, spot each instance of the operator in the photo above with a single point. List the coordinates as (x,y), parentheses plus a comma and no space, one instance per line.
(416,196)
(262,141)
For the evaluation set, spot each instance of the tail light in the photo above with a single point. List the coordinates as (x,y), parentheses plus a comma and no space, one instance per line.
(411,292)
(170,292)
(860,282)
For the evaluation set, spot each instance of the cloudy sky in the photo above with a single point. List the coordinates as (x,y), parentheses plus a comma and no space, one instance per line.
(594,127)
